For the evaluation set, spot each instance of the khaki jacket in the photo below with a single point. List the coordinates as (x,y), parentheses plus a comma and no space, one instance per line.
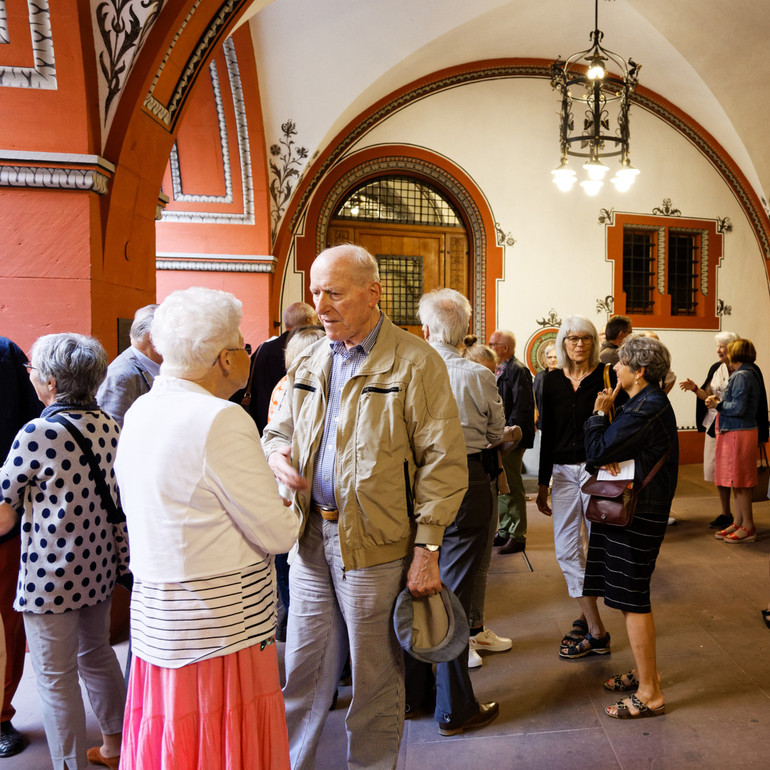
(401,469)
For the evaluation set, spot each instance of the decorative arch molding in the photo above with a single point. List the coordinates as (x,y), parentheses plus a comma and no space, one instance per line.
(497,69)
(485,253)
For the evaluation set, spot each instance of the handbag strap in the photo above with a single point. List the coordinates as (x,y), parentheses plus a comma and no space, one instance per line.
(114,515)
(608,386)
(246,400)
(655,468)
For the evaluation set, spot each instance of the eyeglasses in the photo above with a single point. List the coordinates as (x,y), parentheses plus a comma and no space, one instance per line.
(585,341)
(28,366)
(228,350)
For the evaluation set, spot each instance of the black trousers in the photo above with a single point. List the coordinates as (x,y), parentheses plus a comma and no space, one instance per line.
(461,553)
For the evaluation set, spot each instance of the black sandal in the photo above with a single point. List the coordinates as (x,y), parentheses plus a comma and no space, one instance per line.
(577,634)
(643,711)
(588,646)
(616,683)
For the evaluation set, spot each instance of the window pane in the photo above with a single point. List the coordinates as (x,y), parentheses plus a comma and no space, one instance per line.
(638,271)
(399,200)
(401,279)
(683,264)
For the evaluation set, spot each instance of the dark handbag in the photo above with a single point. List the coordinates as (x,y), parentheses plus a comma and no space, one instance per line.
(613,501)
(761,491)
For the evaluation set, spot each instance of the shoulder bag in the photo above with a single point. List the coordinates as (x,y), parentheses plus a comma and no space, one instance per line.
(613,501)
(762,490)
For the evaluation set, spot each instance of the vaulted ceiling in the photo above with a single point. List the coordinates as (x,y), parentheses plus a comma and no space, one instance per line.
(321,63)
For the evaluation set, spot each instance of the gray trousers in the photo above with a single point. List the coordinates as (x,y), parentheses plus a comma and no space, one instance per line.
(61,646)
(333,612)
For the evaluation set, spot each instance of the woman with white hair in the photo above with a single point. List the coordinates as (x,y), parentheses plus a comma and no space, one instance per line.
(204,514)
(714,385)
(72,546)
(621,560)
(567,402)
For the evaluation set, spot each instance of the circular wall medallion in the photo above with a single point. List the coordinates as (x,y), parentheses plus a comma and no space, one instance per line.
(535,352)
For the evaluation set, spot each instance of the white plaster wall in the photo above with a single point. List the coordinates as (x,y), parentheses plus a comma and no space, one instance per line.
(504,135)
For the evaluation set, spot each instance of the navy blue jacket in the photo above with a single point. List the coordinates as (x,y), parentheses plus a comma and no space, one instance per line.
(18,401)
(643,428)
(515,388)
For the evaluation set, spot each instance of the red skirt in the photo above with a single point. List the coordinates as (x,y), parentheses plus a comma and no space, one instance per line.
(736,459)
(224,713)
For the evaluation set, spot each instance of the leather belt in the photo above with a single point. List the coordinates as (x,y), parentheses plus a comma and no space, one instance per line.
(330,514)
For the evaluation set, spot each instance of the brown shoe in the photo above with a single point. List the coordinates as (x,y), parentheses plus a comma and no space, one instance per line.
(513,546)
(95,757)
(487,713)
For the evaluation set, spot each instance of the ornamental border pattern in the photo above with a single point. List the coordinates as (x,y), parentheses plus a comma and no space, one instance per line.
(247,217)
(224,146)
(167,113)
(444,179)
(54,178)
(3,24)
(212,266)
(43,74)
(742,191)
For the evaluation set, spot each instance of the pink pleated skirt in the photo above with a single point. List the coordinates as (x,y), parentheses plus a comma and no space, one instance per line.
(736,459)
(224,713)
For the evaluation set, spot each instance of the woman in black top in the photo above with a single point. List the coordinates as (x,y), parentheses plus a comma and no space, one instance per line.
(569,393)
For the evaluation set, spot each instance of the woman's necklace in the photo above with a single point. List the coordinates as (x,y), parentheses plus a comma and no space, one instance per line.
(577,379)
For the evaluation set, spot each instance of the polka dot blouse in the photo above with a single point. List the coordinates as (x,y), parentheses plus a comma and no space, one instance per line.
(69,551)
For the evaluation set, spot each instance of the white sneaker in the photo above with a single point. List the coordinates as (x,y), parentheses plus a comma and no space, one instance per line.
(474,659)
(489,641)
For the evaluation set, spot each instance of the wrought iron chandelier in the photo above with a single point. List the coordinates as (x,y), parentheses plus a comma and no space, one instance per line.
(583,79)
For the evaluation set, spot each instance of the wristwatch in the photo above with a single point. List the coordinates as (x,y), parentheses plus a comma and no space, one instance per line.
(427,547)
(601,413)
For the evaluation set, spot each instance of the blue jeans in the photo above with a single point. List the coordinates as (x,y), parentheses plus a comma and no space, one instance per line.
(333,612)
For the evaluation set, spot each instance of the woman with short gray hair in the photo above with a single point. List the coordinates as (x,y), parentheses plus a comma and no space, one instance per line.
(205,515)
(72,547)
(621,560)
(714,385)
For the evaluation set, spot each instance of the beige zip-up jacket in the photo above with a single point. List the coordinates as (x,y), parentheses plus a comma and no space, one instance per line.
(401,469)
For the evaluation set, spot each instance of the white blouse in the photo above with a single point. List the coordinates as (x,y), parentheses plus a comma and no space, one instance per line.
(203,514)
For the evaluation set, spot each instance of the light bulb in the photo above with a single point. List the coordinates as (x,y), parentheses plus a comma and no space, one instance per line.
(596,69)
(563,176)
(622,184)
(596,170)
(592,186)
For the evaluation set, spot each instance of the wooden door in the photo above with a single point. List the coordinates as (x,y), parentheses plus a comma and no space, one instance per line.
(412,261)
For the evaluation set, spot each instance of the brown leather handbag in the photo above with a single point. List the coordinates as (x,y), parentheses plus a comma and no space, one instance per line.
(613,501)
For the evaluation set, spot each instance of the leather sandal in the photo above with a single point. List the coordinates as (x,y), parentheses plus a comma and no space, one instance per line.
(643,711)
(723,533)
(616,683)
(736,537)
(588,646)
(577,634)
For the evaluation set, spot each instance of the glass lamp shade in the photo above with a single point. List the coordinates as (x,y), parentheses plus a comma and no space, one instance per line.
(592,186)
(564,177)
(596,170)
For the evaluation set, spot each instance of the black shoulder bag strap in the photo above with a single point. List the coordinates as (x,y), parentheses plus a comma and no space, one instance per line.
(114,514)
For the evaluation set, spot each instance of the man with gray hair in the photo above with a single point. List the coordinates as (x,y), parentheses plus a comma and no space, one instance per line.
(267,364)
(514,381)
(131,374)
(445,314)
(368,443)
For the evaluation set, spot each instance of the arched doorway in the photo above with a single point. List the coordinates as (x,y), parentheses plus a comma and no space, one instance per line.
(416,235)
(472,249)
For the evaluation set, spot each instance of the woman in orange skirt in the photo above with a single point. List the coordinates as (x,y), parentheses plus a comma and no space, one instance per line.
(737,439)
(204,515)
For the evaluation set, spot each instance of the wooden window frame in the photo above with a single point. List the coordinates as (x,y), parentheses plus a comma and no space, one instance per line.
(711,249)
